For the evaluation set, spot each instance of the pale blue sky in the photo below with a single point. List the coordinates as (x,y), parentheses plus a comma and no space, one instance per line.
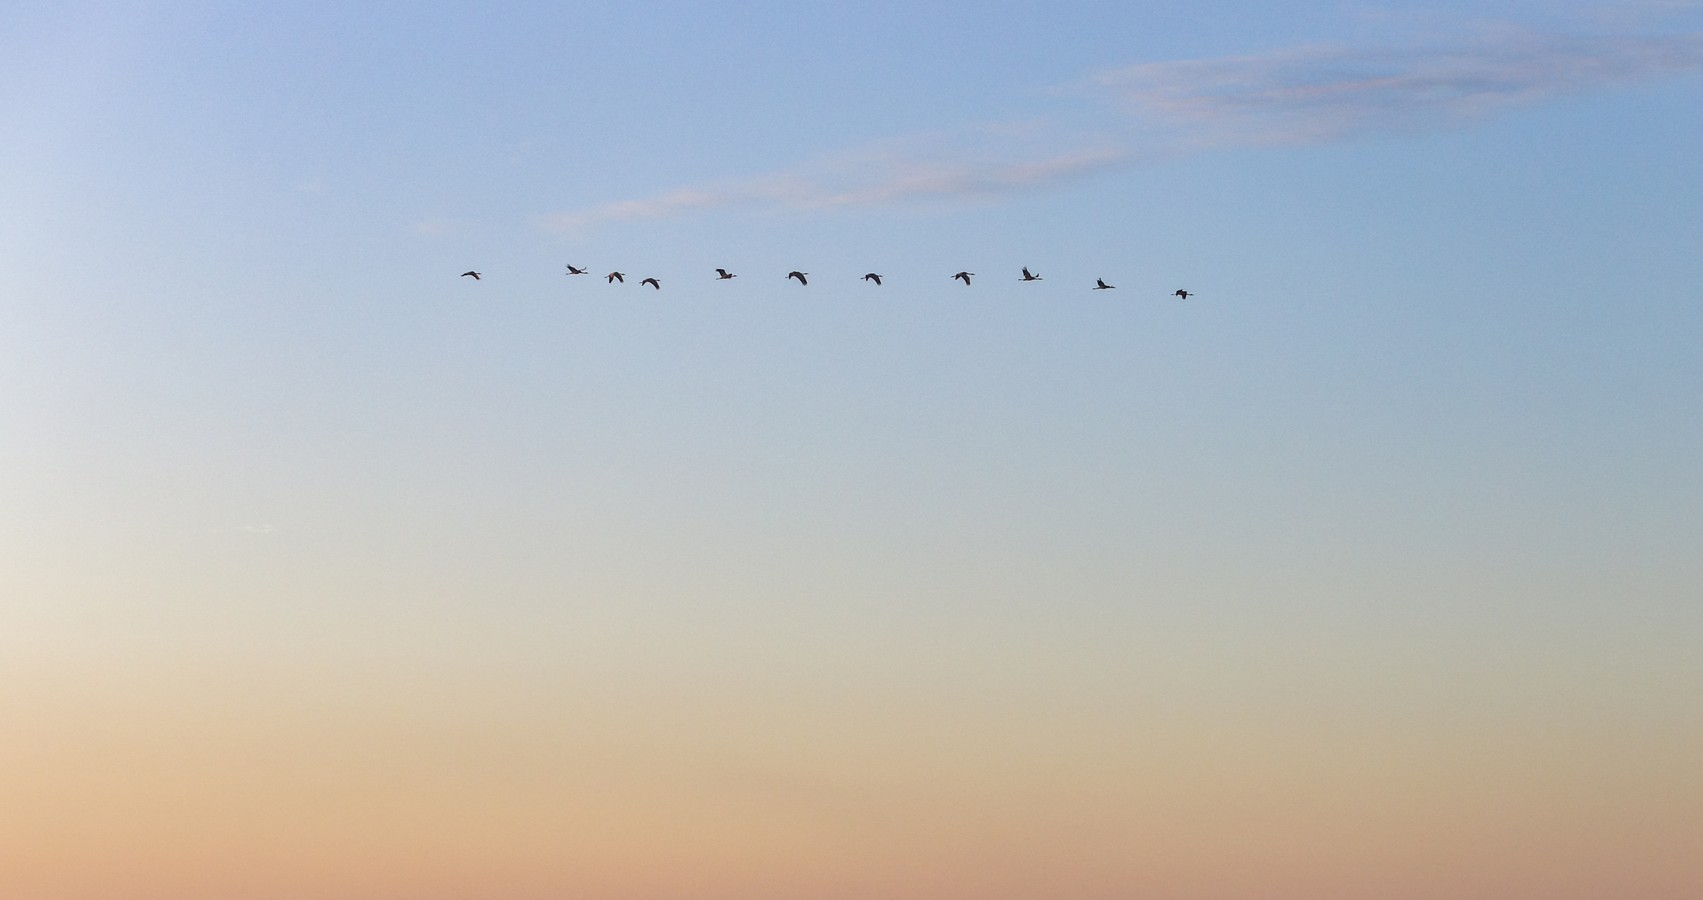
(1429,428)
(1447,312)
(233,238)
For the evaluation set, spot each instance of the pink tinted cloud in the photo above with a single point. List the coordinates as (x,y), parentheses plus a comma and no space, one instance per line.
(1295,96)
(1316,94)
(870,177)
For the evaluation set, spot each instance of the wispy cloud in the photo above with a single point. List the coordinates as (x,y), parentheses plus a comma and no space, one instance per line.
(1316,94)
(438,227)
(1296,96)
(981,163)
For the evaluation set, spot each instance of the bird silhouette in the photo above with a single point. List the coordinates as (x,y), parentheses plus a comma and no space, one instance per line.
(613,277)
(873,277)
(474,274)
(653,283)
(964,277)
(1028,276)
(1101,285)
(799,276)
(1182,294)
(574,271)
(723,274)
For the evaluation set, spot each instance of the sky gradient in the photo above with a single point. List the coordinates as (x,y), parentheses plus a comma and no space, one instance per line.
(1372,570)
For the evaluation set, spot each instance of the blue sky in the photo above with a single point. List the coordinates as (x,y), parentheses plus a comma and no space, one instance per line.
(1422,448)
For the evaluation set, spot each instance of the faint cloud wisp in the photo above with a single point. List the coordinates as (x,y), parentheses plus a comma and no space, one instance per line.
(975,165)
(1303,95)
(1318,94)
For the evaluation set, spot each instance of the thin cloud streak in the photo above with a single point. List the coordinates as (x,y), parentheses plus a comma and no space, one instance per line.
(1318,94)
(860,180)
(1303,95)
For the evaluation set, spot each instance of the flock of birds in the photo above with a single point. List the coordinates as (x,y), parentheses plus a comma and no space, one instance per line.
(804,278)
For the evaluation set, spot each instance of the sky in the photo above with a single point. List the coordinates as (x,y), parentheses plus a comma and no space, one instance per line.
(1371,569)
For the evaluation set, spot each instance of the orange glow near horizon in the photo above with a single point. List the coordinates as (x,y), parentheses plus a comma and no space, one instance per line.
(177,777)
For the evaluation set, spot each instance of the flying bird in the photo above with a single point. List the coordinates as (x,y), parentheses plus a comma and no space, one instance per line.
(964,277)
(723,275)
(1029,276)
(474,274)
(873,277)
(1182,294)
(799,276)
(574,271)
(613,277)
(1101,285)
(653,283)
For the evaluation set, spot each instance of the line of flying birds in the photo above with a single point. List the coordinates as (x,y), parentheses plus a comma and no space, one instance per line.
(804,278)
